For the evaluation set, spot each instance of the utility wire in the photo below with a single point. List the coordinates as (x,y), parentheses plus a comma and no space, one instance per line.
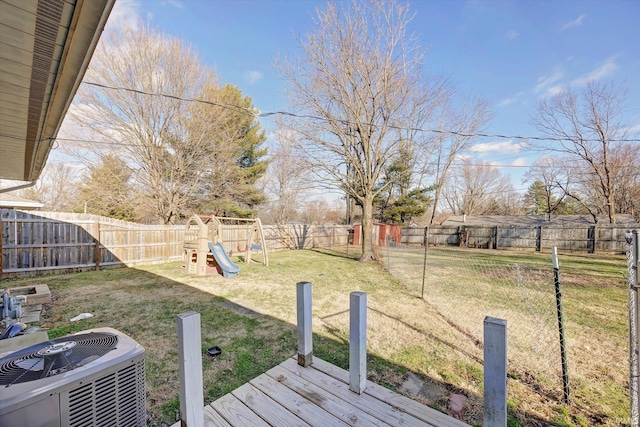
(257,114)
(300,156)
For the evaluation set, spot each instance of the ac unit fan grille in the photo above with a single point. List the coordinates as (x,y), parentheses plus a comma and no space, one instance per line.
(55,357)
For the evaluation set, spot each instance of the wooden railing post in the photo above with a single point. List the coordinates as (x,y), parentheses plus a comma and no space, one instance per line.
(495,372)
(190,370)
(357,341)
(1,239)
(305,338)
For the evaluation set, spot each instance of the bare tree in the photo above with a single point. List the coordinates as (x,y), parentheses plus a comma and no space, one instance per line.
(286,183)
(155,134)
(625,161)
(56,187)
(478,189)
(551,173)
(448,147)
(360,83)
(586,127)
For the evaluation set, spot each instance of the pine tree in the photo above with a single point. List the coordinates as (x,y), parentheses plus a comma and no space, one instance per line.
(106,191)
(229,186)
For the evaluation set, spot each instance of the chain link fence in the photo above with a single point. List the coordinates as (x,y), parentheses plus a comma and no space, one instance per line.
(465,286)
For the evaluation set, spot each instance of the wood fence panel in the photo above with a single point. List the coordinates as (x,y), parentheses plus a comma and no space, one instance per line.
(443,235)
(37,242)
(413,235)
(480,237)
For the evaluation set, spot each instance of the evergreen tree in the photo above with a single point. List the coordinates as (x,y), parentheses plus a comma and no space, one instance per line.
(408,206)
(106,190)
(397,203)
(228,187)
(536,200)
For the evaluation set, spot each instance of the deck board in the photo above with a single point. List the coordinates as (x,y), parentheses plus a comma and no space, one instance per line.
(298,404)
(399,401)
(364,402)
(212,418)
(329,402)
(237,413)
(269,410)
(319,395)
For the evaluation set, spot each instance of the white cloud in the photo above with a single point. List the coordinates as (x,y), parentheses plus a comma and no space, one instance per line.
(520,161)
(519,97)
(634,129)
(252,76)
(499,146)
(604,70)
(546,82)
(125,14)
(554,90)
(575,23)
(175,3)
(507,101)
(552,84)
(511,34)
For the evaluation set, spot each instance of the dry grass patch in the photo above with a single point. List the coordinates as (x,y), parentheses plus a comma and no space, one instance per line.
(405,332)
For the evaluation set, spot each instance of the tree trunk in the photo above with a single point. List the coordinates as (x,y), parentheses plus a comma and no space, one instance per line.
(367,229)
(611,208)
(436,199)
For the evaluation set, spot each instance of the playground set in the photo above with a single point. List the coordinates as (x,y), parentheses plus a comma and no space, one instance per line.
(210,241)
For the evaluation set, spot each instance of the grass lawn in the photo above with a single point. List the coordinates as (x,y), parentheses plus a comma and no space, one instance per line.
(252,318)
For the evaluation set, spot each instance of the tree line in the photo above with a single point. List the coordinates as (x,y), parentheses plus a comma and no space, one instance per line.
(360,98)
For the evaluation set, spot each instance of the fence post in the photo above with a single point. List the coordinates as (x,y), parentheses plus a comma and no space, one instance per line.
(591,239)
(190,365)
(357,342)
(538,238)
(633,255)
(333,237)
(563,344)
(424,262)
(167,246)
(305,337)
(495,372)
(497,233)
(97,251)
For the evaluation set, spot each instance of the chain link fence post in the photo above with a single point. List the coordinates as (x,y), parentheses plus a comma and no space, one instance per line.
(563,343)
(633,253)
(424,263)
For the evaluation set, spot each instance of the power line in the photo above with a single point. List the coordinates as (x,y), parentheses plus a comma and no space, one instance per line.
(257,114)
(300,156)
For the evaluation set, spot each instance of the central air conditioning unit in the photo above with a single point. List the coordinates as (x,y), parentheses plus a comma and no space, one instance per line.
(92,378)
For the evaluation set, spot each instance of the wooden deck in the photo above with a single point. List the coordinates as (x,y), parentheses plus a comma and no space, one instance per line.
(290,395)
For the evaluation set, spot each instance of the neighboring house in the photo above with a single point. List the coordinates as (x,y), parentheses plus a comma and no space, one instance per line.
(533,220)
(11,201)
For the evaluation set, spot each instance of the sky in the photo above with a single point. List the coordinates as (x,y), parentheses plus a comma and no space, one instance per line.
(513,53)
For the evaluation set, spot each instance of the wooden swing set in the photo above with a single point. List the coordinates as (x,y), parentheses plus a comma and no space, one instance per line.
(231,233)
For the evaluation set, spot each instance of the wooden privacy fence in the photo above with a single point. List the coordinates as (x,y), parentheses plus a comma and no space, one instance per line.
(591,239)
(55,242)
(579,238)
(37,242)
